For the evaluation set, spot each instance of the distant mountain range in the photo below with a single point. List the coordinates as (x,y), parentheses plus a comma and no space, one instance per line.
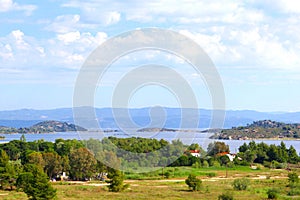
(105,117)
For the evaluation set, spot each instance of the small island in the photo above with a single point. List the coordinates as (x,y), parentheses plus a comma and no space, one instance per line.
(263,129)
(43,127)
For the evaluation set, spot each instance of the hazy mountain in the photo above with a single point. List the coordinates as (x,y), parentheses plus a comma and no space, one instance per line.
(140,116)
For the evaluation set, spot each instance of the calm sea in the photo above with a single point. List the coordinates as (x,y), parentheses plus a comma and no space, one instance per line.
(185,137)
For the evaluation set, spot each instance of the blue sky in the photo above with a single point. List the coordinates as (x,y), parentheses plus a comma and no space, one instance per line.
(254,45)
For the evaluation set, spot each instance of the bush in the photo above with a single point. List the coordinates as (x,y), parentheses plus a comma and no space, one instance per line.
(294,192)
(272,193)
(267,164)
(205,164)
(210,174)
(216,164)
(293,179)
(116,183)
(196,165)
(225,196)
(193,182)
(241,183)
(168,174)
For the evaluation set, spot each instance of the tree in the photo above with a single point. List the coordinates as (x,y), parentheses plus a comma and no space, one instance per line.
(53,164)
(224,160)
(283,154)
(23,138)
(273,153)
(193,182)
(35,184)
(65,147)
(116,181)
(9,175)
(292,155)
(82,163)
(194,146)
(4,176)
(36,158)
(217,147)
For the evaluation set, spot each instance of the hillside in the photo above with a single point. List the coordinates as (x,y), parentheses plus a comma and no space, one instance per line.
(262,129)
(44,127)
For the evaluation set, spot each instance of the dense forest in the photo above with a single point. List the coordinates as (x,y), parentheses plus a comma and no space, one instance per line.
(261,129)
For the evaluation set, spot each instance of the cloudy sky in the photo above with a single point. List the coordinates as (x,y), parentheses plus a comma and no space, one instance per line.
(255,46)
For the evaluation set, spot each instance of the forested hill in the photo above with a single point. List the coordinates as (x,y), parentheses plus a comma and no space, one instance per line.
(262,129)
(44,127)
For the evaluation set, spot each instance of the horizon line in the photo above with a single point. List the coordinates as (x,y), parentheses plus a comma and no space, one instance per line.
(147,107)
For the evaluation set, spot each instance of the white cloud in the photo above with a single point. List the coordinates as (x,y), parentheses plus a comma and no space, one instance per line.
(6,52)
(110,18)
(9,5)
(65,51)
(64,23)
(256,47)
(289,6)
(69,37)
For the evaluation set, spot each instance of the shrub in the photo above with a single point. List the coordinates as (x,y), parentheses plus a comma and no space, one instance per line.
(293,179)
(193,182)
(272,193)
(216,164)
(167,174)
(294,192)
(205,164)
(241,183)
(211,174)
(225,196)
(116,183)
(196,165)
(267,164)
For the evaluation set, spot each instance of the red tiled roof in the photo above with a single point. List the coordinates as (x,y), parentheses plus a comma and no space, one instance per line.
(222,153)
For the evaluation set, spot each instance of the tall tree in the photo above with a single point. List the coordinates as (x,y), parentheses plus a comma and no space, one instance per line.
(35,184)
(217,147)
(53,164)
(36,158)
(292,155)
(82,163)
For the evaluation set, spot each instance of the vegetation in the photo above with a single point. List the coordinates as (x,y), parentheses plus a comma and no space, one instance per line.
(261,129)
(193,182)
(293,179)
(161,189)
(27,165)
(272,193)
(225,196)
(241,183)
(116,181)
(269,155)
(35,183)
(43,127)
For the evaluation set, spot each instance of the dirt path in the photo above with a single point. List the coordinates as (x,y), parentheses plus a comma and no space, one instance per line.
(258,177)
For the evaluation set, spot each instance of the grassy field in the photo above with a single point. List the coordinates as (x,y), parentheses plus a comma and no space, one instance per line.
(175,188)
